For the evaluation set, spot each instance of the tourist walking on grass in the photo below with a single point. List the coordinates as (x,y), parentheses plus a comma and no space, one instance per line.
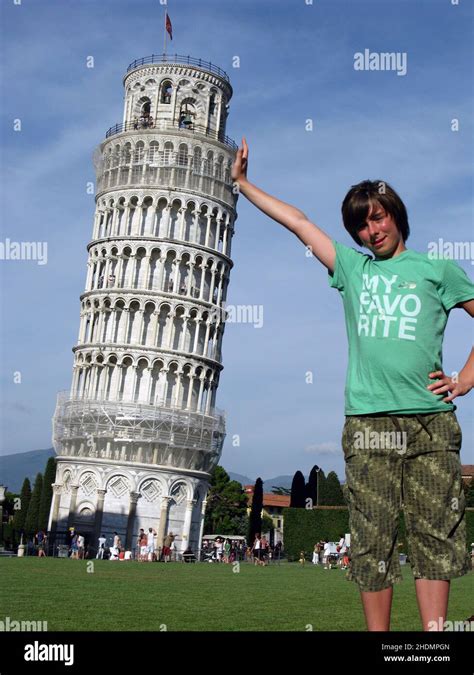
(168,540)
(41,543)
(227,548)
(150,543)
(101,547)
(142,545)
(257,548)
(74,547)
(316,554)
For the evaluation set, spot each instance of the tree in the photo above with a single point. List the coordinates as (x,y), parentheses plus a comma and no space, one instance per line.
(11,498)
(32,517)
(298,491)
(322,480)
(312,485)
(255,518)
(469,490)
(226,511)
(333,491)
(20,514)
(47,493)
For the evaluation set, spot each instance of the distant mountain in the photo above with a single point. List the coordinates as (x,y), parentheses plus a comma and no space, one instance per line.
(268,484)
(279,481)
(15,468)
(244,480)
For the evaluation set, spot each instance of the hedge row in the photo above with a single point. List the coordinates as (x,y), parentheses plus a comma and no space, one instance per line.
(305,527)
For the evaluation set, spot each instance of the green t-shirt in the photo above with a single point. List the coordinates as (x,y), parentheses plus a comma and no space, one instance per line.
(396,312)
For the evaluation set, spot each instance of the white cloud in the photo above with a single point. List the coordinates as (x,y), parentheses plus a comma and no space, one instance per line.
(326,448)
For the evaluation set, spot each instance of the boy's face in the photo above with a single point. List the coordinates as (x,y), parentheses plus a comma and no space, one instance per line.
(380,233)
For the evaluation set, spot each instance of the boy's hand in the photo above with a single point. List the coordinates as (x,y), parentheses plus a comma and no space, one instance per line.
(445,383)
(239,167)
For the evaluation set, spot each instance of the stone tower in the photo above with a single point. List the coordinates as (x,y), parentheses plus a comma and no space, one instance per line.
(138,433)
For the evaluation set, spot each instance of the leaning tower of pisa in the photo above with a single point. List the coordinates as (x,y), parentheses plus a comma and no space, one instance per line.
(139,431)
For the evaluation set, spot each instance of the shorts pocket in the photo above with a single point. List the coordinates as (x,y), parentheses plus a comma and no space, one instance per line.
(352,426)
(455,432)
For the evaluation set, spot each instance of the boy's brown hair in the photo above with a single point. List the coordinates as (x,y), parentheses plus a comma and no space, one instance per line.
(357,202)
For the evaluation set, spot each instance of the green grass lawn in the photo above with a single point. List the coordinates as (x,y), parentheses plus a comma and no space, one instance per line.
(144,596)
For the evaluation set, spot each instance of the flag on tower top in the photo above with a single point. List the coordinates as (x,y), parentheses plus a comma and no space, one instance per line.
(169,27)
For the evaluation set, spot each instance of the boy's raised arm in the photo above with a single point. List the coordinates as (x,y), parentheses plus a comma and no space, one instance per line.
(292,218)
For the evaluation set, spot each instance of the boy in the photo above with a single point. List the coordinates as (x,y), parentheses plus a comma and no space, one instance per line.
(396,306)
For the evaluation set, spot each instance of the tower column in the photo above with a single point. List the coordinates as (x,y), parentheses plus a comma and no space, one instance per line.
(124,222)
(100,325)
(194,226)
(93,381)
(224,241)
(118,378)
(150,217)
(161,387)
(190,504)
(75,370)
(209,398)
(136,218)
(85,377)
(206,339)
(89,275)
(72,506)
(99,512)
(168,331)
(118,271)
(182,342)
(156,326)
(123,326)
(208,232)
(177,392)
(163,520)
(189,279)
(113,224)
(131,519)
(144,271)
(201,387)
(196,335)
(137,327)
(211,289)
(181,223)
(203,278)
(161,273)
(110,323)
(201,526)
(174,275)
(53,517)
(166,221)
(190,392)
(149,384)
(95,280)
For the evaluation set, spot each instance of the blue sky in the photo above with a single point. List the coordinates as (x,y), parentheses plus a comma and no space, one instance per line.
(296,63)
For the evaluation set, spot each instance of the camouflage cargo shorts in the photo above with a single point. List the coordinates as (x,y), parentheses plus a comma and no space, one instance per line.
(409,463)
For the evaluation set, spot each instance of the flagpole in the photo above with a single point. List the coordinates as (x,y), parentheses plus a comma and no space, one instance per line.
(164,40)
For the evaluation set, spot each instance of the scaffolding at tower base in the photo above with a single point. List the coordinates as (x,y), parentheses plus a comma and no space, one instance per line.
(98,423)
